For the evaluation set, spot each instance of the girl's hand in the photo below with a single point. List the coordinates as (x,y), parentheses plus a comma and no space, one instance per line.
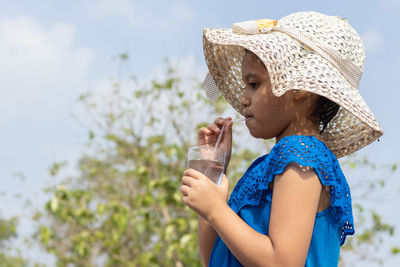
(209,135)
(202,195)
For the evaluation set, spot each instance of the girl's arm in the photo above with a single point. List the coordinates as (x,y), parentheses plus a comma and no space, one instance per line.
(207,237)
(209,136)
(294,206)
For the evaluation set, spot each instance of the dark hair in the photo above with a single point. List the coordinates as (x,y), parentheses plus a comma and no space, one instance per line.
(324,111)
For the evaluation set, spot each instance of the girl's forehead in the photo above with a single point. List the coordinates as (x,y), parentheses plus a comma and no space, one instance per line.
(249,54)
(251,63)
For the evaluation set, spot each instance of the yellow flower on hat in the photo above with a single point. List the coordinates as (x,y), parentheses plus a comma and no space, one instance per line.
(266,23)
(254,26)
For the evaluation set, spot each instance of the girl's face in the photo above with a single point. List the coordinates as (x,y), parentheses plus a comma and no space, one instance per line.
(267,116)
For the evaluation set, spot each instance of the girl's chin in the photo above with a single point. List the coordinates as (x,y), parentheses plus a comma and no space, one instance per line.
(256,133)
(251,125)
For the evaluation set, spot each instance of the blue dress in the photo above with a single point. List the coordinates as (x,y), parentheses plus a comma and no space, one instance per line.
(251,199)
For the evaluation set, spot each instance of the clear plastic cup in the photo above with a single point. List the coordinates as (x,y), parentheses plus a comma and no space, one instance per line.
(208,160)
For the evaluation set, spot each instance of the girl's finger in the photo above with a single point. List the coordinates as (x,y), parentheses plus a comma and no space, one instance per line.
(219,120)
(187,180)
(185,190)
(204,131)
(185,200)
(228,131)
(193,174)
(214,128)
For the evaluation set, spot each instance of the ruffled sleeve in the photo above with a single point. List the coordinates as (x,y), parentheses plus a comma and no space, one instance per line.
(306,151)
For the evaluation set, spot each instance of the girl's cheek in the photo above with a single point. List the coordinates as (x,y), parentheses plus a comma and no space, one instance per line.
(275,101)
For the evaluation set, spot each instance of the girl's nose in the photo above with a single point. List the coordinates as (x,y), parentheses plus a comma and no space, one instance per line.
(244,99)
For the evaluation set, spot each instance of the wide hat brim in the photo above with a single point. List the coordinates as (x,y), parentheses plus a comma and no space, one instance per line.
(294,66)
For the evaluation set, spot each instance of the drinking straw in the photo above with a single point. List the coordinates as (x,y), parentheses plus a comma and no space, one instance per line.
(219,140)
(223,128)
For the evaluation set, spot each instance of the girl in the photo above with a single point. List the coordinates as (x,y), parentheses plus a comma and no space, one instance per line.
(295,80)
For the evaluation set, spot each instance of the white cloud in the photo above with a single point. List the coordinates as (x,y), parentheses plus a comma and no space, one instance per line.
(40,68)
(373,40)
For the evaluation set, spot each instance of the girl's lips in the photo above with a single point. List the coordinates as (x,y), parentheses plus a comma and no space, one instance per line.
(248,118)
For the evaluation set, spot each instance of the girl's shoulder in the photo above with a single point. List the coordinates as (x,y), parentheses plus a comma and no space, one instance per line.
(301,144)
(305,151)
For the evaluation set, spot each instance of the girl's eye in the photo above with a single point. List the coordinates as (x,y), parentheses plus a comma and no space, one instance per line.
(253,85)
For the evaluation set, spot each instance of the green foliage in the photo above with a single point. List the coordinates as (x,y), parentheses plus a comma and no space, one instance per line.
(395,250)
(370,228)
(11,261)
(9,257)
(7,230)
(55,168)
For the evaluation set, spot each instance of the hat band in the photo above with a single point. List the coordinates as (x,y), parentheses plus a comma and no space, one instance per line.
(349,71)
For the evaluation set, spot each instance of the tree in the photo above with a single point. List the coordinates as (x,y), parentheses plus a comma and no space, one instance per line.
(371,228)
(8,257)
(124,208)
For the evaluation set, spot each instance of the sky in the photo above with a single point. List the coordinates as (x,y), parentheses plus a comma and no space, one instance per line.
(53,51)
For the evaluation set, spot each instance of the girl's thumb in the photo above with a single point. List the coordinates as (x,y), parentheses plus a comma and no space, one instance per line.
(228,130)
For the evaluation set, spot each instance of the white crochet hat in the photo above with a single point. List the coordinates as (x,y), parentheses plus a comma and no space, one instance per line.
(302,51)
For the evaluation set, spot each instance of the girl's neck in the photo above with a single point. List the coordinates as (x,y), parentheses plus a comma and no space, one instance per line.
(306,128)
